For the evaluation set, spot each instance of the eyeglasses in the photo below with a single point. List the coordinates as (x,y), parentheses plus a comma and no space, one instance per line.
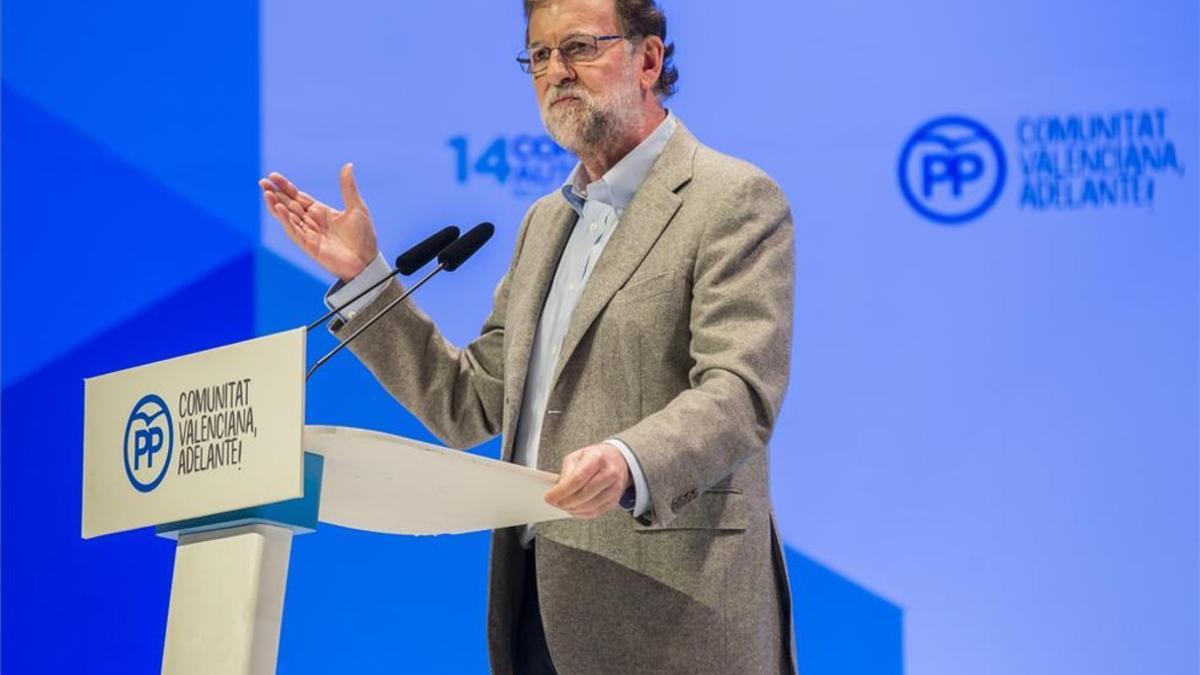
(575,49)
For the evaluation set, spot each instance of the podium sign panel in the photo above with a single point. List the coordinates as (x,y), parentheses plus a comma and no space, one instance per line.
(204,433)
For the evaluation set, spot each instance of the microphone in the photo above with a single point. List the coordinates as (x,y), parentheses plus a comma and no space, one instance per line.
(408,262)
(415,258)
(449,259)
(457,253)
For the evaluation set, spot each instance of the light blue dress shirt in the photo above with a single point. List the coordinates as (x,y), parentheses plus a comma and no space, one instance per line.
(599,206)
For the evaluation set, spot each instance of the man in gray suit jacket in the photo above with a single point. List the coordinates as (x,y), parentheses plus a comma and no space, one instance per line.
(638,344)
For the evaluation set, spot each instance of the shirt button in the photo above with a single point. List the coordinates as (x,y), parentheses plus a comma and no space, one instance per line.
(351,314)
(594,226)
(571,286)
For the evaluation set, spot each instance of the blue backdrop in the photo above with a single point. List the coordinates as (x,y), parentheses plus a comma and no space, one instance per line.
(988,457)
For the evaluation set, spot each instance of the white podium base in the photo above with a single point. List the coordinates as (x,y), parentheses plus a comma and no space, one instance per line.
(227,601)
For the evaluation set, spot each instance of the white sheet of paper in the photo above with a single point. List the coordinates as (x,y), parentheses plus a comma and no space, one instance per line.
(383,483)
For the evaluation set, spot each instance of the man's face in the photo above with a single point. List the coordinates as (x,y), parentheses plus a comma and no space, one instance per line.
(585,105)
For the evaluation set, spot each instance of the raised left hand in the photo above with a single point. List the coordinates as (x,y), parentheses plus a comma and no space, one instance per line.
(591,482)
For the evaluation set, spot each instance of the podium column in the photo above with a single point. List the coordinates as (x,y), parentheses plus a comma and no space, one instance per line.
(227,601)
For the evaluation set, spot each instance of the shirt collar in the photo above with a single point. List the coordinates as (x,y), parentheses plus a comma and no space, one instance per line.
(617,187)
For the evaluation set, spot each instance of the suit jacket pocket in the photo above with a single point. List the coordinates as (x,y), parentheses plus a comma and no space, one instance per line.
(646,288)
(711,510)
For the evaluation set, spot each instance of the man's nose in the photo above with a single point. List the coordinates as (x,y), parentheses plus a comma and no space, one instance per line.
(558,70)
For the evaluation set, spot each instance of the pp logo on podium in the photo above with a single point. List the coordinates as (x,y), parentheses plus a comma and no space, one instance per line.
(149,440)
(952,170)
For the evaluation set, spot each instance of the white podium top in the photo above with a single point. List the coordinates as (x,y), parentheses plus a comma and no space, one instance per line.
(383,483)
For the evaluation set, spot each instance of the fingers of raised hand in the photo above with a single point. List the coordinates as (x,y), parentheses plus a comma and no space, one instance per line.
(287,200)
(292,212)
(310,216)
(305,199)
(287,191)
(302,235)
(282,184)
(269,197)
(270,194)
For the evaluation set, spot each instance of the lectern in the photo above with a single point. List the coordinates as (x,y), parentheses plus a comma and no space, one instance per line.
(211,449)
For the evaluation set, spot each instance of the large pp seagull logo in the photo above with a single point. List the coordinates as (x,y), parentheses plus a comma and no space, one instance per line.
(151,432)
(946,159)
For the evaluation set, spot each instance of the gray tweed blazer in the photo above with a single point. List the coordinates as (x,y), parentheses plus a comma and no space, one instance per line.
(680,347)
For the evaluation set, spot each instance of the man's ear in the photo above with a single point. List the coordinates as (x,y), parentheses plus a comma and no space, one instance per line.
(651,65)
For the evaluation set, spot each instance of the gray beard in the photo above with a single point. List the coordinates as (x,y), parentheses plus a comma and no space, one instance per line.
(601,124)
(579,133)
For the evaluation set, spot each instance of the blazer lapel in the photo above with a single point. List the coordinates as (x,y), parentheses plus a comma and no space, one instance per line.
(653,206)
(543,247)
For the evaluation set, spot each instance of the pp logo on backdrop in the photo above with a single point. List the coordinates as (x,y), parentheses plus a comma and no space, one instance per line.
(149,440)
(952,170)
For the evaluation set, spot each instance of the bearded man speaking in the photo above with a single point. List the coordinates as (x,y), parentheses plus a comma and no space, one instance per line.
(638,345)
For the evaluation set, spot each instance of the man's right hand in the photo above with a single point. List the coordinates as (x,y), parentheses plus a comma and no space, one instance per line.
(342,242)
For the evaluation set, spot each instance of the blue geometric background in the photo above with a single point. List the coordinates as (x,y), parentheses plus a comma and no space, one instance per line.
(988,454)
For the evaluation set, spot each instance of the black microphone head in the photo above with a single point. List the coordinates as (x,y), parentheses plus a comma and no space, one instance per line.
(416,257)
(457,253)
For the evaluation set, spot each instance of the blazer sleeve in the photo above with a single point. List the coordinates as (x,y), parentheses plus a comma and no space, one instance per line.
(458,394)
(741,329)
